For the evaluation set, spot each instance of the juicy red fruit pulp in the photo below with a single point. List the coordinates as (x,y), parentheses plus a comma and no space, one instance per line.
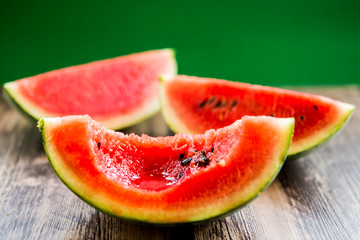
(174,179)
(156,164)
(106,87)
(222,103)
(151,167)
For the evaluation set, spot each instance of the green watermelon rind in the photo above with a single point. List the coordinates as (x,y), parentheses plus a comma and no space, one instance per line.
(20,106)
(175,124)
(172,122)
(41,126)
(31,111)
(348,111)
(252,197)
(99,205)
(9,98)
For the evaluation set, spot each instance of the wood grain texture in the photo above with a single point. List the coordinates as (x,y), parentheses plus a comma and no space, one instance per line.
(314,197)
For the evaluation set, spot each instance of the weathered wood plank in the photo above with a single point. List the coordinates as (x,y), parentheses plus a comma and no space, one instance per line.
(315,197)
(324,186)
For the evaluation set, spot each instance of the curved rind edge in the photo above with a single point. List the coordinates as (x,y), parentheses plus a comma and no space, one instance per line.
(16,103)
(176,125)
(335,130)
(13,101)
(151,107)
(42,128)
(97,205)
(166,111)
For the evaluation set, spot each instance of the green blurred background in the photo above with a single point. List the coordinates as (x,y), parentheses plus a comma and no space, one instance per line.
(264,42)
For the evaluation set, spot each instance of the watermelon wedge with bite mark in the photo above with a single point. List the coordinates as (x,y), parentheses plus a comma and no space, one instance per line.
(167,180)
(194,104)
(117,92)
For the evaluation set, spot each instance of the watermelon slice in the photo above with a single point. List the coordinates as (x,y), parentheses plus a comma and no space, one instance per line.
(167,180)
(194,104)
(117,92)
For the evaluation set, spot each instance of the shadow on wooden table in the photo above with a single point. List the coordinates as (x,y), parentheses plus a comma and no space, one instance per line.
(102,226)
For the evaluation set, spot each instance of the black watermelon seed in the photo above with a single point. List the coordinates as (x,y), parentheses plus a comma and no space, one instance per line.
(186,161)
(211,100)
(315,107)
(180,175)
(234,103)
(99,144)
(301,117)
(212,149)
(218,104)
(182,156)
(204,159)
(202,103)
(271,114)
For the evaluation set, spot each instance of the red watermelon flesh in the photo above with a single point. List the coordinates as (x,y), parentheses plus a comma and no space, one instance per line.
(117,92)
(194,104)
(167,180)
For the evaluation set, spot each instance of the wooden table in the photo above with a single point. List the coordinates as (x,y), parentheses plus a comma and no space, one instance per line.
(314,197)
